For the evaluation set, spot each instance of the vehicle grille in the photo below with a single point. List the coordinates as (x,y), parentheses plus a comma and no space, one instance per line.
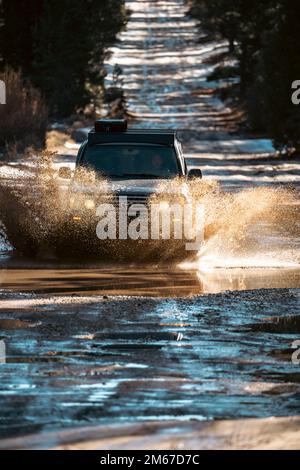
(134,199)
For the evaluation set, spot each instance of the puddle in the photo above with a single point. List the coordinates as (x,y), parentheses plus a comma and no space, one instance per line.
(126,360)
(286,325)
(15,324)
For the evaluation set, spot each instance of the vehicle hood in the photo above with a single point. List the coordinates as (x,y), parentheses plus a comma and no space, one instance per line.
(131,186)
(137,186)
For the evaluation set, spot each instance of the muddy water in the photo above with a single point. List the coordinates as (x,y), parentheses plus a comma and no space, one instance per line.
(72,355)
(162,280)
(74,361)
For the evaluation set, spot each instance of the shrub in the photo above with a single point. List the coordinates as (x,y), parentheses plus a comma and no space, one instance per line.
(23,119)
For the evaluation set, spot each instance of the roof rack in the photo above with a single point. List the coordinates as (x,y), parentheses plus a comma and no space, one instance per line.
(115,131)
(111,125)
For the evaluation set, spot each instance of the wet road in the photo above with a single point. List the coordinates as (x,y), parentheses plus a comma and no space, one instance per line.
(73,354)
(89,360)
(156,280)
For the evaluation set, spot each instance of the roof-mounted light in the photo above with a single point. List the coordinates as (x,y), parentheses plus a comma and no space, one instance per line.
(111,125)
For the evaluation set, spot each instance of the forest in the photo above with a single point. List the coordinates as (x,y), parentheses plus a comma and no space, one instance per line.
(263,38)
(52,55)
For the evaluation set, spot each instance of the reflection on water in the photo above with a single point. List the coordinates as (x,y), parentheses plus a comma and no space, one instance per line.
(186,279)
(91,360)
(218,280)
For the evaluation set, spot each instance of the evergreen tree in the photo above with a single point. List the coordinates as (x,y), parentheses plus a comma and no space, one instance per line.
(280,66)
(263,35)
(60,45)
(18,19)
(61,55)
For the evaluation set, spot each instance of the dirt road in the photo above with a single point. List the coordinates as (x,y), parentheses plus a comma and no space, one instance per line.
(74,355)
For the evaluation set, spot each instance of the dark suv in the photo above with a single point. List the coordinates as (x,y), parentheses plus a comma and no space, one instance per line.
(133,161)
(129,167)
(137,158)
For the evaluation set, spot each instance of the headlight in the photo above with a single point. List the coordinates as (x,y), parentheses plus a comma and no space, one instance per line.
(79,202)
(89,204)
(164,205)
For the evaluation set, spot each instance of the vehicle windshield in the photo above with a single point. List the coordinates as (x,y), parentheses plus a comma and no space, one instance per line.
(131,160)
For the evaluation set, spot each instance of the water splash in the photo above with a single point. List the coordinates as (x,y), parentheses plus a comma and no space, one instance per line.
(252,227)
(256,227)
(34,208)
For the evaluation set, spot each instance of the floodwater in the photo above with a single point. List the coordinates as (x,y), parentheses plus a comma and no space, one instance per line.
(99,343)
(82,360)
(151,280)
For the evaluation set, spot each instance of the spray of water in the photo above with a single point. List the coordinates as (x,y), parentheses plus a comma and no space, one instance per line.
(34,209)
(256,226)
(252,227)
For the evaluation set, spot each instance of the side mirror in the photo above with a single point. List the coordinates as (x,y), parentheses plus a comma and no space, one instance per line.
(195,173)
(65,172)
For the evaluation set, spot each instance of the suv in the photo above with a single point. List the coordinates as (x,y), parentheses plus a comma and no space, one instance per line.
(129,167)
(134,161)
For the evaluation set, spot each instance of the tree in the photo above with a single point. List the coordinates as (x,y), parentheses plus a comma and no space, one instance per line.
(18,19)
(280,66)
(263,35)
(61,45)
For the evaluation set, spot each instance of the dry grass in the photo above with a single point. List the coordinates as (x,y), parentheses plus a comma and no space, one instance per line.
(23,119)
